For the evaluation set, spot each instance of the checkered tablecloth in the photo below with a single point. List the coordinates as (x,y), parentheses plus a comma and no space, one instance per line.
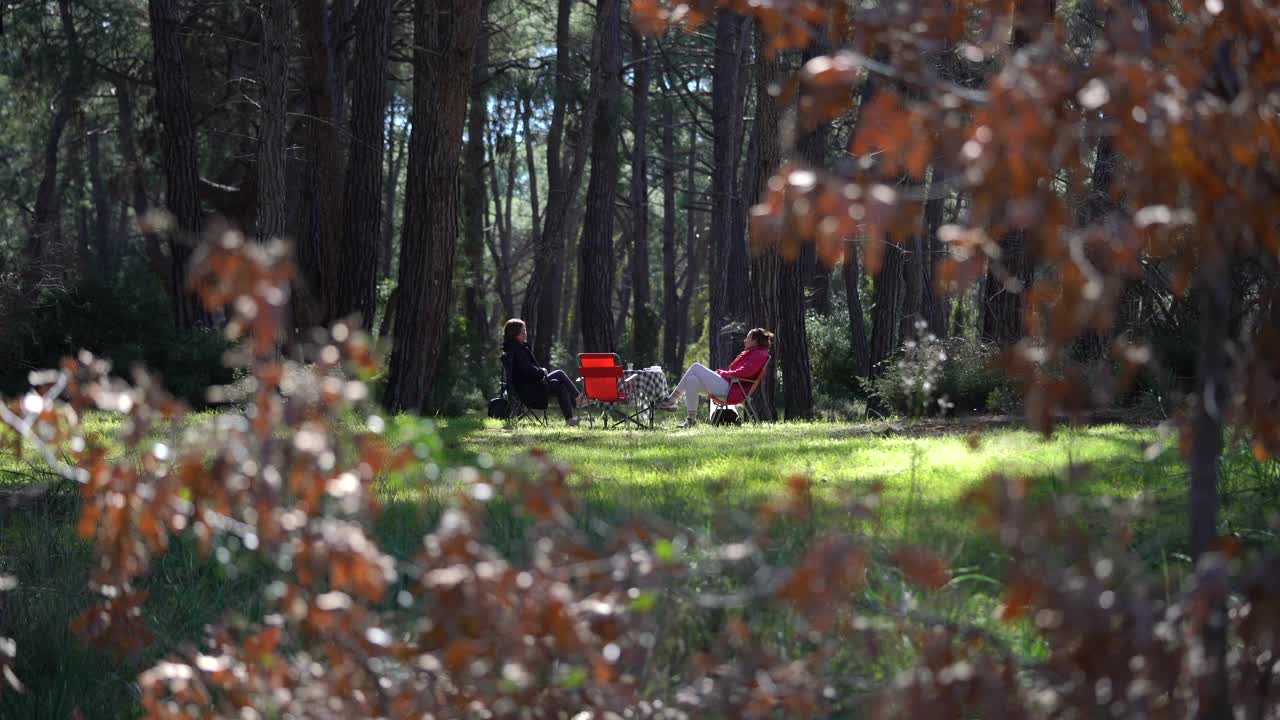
(649,385)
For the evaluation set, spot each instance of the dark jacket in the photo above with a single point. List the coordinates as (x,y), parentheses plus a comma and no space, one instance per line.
(527,377)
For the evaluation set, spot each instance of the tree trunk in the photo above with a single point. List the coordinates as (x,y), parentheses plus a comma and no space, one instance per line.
(1215,296)
(274,76)
(935,306)
(764,155)
(181,167)
(730,302)
(596,261)
(474,199)
(45,221)
(362,192)
(398,143)
(445,34)
(135,178)
(694,247)
(104,245)
(670,298)
(644,322)
(319,233)
(884,313)
(539,308)
(858,348)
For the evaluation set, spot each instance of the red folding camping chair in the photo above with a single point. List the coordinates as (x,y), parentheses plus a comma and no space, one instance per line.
(599,373)
(749,388)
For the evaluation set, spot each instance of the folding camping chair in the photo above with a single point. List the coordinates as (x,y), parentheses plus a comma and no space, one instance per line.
(599,373)
(518,411)
(749,388)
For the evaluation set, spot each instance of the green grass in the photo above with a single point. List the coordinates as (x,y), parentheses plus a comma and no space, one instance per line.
(707,479)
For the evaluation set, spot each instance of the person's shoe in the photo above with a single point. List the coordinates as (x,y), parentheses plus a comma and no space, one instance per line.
(572,422)
(688,423)
(670,402)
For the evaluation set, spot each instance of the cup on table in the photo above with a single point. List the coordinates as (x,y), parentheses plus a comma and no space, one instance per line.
(630,367)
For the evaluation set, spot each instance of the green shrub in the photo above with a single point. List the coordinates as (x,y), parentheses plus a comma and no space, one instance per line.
(129,321)
(938,376)
(835,382)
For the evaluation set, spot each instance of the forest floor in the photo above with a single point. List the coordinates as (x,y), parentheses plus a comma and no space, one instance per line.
(707,479)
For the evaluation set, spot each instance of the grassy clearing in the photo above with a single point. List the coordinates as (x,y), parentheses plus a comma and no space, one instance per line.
(706,479)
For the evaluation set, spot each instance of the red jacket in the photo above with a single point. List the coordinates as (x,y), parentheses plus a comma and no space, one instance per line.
(747,367)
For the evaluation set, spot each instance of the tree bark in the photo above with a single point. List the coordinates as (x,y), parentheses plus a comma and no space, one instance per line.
(318,257)
(398,149)
(596,261)
(935,306)
(445,34)
(693,251)
(474,199)
(730,302)
(858,348)
(644,324)
(764,155)
(670,297)
(105,251)
(181,166)
(539,307)
(362,191)
(45,220)
(884,313)
(274,76)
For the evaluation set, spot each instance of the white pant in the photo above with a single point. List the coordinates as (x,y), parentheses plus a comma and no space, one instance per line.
(700,379)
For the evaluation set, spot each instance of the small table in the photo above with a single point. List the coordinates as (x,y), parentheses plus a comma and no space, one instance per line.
(648,386)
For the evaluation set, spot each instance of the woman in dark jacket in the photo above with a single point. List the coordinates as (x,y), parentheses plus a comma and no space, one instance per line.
(531,382)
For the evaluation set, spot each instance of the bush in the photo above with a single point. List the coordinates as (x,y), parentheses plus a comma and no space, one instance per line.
(835,381)
(932,375)
(128,321)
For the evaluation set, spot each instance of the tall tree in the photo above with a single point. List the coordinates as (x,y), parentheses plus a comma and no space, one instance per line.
(886,304)
(670,296)
(362,191)
(44,221)
(274,79)
(764,155)
(644,325)
(730,302)
(181,168)
(320,226)
(474,199)
(935,306)
(445,34)
(542,295)
(596,261)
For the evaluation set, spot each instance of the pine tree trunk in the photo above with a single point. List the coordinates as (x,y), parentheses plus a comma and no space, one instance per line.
(596,261)
(445,34)
(274,77)
(884,313)
(858,347)
(693,252)
(135,179)
(318,242)
(398,148)
(474,200)
(104,245)
(935,306)
(670,297)
(730,302)
(644,324)
(181,168)
(541,300)
(362,191)
(764,155)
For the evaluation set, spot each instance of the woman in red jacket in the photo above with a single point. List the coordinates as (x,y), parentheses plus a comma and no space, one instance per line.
(702,380)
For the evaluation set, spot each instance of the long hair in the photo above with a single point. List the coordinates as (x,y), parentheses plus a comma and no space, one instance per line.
(511,330)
